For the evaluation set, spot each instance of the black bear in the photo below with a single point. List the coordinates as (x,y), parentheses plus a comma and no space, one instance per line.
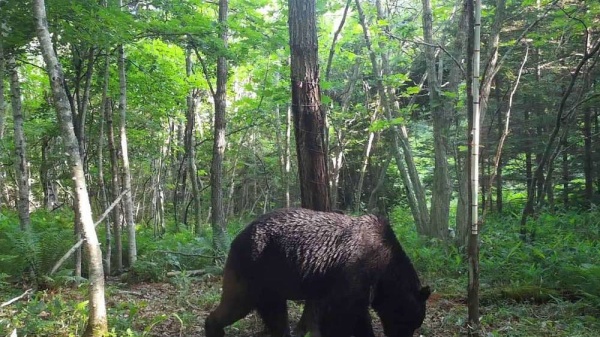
(339,264)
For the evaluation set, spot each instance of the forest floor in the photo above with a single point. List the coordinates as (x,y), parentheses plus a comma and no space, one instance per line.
(179,308)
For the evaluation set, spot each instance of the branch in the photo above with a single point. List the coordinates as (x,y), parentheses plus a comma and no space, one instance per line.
(204,70)
(9,302)
(188,254)
(80,242)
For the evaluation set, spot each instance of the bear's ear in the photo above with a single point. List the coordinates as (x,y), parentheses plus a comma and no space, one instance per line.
(424,293)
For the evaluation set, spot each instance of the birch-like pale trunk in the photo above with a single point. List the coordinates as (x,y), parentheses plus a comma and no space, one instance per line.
(473,247)
(22,165)
(97,324)
(287,155)
(128,199)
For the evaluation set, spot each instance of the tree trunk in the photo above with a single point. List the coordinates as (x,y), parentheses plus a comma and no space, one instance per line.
(441,192)
(588,156)
(473,246)
(104,195)
(365,163)
(372,205)
(309,117)
(287,154)
(565,175)
(551,148)
(189,145)
(216,169)
(4,197)
(401,145)
(20,146)
(127,199)
(97,323)
(115,185)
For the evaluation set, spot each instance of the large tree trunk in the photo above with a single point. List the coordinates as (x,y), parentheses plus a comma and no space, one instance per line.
(97,323)
(309,117)
(216,169)
(20,146)
(127,199)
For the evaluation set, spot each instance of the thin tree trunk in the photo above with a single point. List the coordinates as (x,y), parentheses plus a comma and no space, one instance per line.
(372,204)
(496,169)
(588,156)
(401,146)
(550,149)
(97,323)
(105,201)
(20,146)
(4,197)
(115,186)
(190,148)
(441,192)
(216,169)
(473,247)
(128,199)
(363,168)
(287,154)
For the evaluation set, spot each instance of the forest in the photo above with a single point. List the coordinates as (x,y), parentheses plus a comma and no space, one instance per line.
(138,138)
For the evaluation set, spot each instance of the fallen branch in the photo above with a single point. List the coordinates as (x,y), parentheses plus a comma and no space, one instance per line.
(188,254)
(80,242)
(186,272)
(9,302)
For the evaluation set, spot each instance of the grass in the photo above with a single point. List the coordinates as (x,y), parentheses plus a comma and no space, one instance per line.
(547,287)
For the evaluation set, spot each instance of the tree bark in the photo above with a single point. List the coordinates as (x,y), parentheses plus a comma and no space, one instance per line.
(104,195)
(4,197)
(401,146)
(216,169)
(473,244)
(20,146)
(189,145)
(115,185)
(309,117)
(128,199)
(588,159)
(441,192)
(97,323)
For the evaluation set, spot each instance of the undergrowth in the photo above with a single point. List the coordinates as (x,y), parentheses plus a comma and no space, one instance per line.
(528,288)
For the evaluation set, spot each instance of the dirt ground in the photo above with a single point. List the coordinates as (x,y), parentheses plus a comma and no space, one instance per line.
(185,310)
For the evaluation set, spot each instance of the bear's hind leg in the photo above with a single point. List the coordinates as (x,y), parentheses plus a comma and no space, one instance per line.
(274,313)
(235,304)
(363,326)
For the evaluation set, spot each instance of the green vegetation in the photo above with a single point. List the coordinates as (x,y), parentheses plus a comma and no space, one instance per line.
(546,287)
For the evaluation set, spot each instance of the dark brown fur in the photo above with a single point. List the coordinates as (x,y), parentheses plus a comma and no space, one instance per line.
(336,262)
